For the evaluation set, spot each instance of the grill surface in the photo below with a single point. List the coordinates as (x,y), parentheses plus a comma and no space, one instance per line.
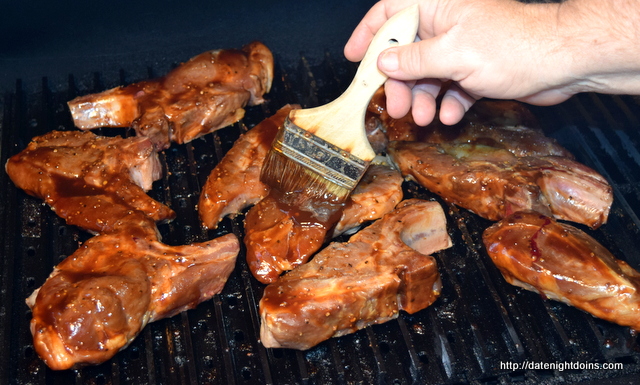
(478,323)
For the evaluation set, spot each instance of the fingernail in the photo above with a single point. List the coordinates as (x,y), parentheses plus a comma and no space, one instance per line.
(389,61)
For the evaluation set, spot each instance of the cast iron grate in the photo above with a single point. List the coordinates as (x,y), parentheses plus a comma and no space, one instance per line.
(478,323)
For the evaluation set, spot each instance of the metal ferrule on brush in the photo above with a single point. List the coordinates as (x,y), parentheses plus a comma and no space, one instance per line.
(324,165)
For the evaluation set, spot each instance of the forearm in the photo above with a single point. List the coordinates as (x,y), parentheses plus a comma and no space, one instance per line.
(601,39)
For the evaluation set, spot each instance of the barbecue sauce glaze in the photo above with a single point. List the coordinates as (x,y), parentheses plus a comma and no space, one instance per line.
(284,229)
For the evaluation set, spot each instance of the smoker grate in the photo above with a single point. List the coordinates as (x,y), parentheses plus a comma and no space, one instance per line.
(478,322)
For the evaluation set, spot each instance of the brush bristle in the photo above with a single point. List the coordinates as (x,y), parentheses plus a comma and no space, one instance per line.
(289,176)
(302,163)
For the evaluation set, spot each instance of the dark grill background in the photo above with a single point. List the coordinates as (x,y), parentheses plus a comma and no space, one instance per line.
(478,322)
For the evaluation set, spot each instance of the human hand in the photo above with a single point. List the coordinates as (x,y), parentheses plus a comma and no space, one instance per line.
(487,48)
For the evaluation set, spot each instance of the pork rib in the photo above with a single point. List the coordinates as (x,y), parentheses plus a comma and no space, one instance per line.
(97,300)
(279,237)
(377,193)
(204,94)
(91,181)
(383,269)
(494,183)
(564,263)
(234,183)
(504,124)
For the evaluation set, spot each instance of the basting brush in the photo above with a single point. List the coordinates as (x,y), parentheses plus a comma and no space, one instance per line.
(321,153)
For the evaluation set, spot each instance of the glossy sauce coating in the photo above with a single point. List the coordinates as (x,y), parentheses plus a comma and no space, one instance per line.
(564,263)
(91,181)
(98,299)
(204,94)
(234,183)
(280,235)
(503,124)
(494,183)
(347,286)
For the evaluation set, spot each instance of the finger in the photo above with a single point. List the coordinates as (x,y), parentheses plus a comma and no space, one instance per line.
(399,97)
(362,35)
(429,58)
(455,103)
(357,45)
(423,107)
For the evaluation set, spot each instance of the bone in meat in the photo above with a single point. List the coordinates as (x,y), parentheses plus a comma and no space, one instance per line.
(204,94)
(566,264)
(280,237)
(234,183)
(97,300)
(91,181)
(383,269)
(377,193)
(494,183)
(504,124)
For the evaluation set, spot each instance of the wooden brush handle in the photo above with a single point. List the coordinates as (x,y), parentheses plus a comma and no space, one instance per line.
(341,122)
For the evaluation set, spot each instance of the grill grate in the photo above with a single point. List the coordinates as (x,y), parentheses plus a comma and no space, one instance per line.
(478,322)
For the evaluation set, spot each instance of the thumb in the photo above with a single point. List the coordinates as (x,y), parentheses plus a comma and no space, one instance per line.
(423,59)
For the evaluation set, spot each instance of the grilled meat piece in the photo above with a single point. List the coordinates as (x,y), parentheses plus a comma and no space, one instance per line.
(494,183)
(97,300)
(234,184)
(383,269)
(91,181)
(395,129)
(521,141)
(281,236)
(376,134)
(204,94)
(377,193)
(501,124)
(281,233)
(501,113)
(563,263)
